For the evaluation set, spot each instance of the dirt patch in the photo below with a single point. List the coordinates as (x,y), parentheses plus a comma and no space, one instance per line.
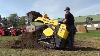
(93,43)
(27,45)
(29,40)
(26,40)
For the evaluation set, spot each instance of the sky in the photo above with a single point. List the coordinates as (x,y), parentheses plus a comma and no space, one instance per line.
(54,8)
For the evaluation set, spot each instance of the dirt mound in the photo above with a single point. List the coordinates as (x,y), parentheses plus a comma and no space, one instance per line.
(27,40)
(81,28)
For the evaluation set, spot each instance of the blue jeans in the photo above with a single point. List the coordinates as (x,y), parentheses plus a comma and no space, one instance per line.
(70,38)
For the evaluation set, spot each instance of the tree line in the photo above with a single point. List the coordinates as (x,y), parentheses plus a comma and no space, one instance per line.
(13,20)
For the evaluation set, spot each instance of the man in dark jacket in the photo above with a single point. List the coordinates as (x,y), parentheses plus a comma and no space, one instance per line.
(69,20)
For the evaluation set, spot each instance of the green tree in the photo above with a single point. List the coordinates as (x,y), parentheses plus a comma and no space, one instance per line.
(0,18)
(22,21)
(88,22)
(13,20)
(4,22)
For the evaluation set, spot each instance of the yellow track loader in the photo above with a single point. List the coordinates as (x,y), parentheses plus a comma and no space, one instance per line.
(54,35)
(45,33)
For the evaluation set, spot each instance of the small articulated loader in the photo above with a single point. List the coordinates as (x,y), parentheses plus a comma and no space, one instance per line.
(43,33)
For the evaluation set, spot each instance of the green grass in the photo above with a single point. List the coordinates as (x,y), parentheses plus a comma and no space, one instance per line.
(30,52)
(90,34)
(7,38)
(81,36)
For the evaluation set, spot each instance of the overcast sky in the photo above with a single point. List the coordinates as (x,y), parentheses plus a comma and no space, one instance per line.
(54,8)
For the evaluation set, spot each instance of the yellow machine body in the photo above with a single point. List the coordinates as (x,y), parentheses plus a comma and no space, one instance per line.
(62,32)
(47,21)
(44,20)
(48,32)
(53,22)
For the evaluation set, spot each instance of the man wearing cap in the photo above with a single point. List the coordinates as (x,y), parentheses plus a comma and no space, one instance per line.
(69,21)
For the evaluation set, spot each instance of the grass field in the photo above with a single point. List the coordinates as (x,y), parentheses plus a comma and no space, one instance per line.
(92,36)
(7,38)
(83,18)
(81,36)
